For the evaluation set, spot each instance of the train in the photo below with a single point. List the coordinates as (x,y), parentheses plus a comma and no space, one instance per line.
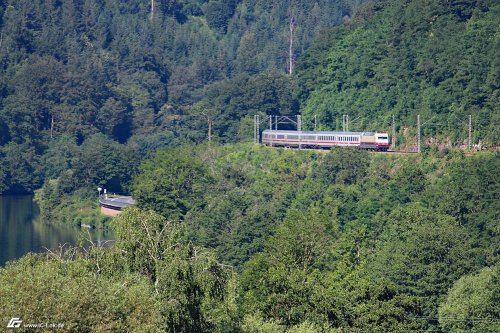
(378,141)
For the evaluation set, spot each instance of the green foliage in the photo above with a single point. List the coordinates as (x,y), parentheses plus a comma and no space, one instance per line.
(285,281)
(75,69)
(315,241)
(422,253)
(251,190)
(407,182)
(147,144)
(101,162)
(19,168)
(75,209)
(468,192)
(218,13)
(255,324)
(344,166)
(324,242)
(59,156)
(190,284)
(67,288)
(172,183)
(377,306)
(228,102)
(73,174)
(152,280)
(472,304)
(407,58)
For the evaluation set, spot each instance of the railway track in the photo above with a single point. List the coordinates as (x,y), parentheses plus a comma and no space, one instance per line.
(390,152)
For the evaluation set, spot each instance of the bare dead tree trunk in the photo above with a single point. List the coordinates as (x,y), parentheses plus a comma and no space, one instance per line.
(291,27)
(152,8)
(52,126)
(209,130)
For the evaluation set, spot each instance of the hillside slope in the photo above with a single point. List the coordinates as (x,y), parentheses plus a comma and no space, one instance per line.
(86,66)
(74,70)
(438,59)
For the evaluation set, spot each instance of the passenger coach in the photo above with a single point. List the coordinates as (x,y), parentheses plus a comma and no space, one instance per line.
(294,139)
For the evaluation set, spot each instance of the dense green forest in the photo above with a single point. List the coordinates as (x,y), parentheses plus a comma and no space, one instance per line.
(72,71)
(438,59)
(242,238)
(80,68)
(230,236)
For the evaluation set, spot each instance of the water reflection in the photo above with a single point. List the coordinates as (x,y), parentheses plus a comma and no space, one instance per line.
(21,231)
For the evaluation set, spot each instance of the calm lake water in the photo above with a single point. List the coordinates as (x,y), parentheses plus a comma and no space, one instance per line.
(21,231)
